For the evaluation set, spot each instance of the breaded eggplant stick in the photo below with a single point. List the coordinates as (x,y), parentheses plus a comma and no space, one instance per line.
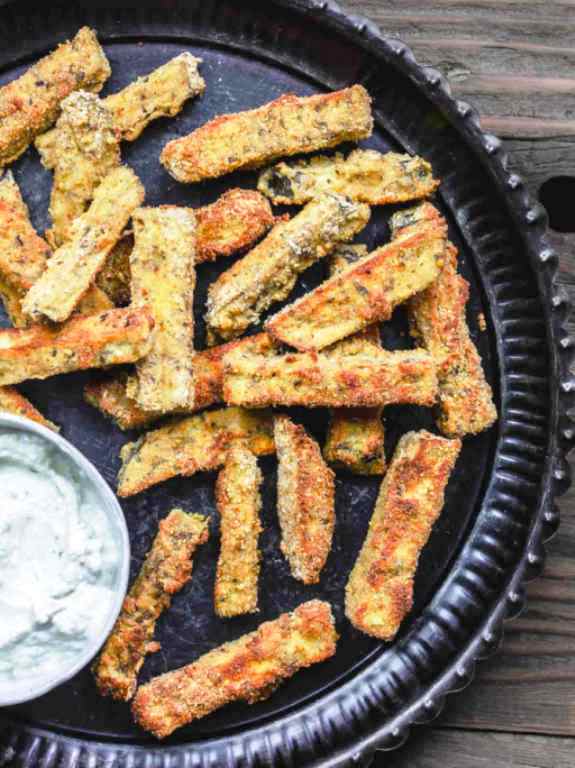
(355,436)
(111,395)
(314,380)
(379,592)
(24,255)
(74,266)
(269,272)
(192,444)
(110,338)
(31,103)
(248,669)
(11,401)
(365,175)
(438,322)
(114,278)
(305,501)
(165,571)
(164,279)
(364,293)
(85,152)
(239,504)
(287,126)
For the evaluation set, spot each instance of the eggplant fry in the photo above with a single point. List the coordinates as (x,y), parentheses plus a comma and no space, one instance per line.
(85,152)
(111,395)
(306,501)
(24,255)
(30,104)
(365,175)
(438,323)
(11,401)
(110,338)
(239,504)
(379,592)
(287,126)
(74,266)
(161,93)
(165,571)
(192,444)
(364,293)
(268,273)
(355,436)
(114,278)
(164,279)
(314,380)
(247,669)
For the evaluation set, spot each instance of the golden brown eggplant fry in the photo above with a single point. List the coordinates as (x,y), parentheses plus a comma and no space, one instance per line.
(110,338)
(268,273)
(24,255)
(355,436)
(114,278)
(165,571)
(85,152)
(74,266)
(314,380)
(247,669)
(191,444)
(164,279)
(31,103)
(438,323)
(379,592)
(11,401)
(111,396)
(365,175)
(287,126)
(161,93)
(239,504)
(364,293)
(306,501)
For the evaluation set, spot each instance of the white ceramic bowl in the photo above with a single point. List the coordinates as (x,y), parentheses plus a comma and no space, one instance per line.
(17,692)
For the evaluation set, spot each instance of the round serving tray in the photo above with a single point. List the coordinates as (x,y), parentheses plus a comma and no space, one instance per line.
(500,504)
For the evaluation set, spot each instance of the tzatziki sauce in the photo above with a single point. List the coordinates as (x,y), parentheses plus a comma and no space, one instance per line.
(59,559)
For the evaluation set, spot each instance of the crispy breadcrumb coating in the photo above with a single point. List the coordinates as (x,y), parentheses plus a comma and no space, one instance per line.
(165,571)
(287,126)
(96,341)
(192,444)
(239,504)
(379,592)
(305,500)
(364,175)
(11,401)
(365,292)
(248,669)
(31,103)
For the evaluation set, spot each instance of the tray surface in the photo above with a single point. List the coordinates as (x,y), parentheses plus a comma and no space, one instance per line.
(498,495)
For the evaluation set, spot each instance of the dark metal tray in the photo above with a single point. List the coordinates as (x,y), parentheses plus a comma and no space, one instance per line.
(500,503)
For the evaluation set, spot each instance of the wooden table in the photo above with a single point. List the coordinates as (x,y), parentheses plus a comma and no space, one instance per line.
(515,61)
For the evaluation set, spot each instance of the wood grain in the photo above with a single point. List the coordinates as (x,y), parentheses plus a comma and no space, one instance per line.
(515,61)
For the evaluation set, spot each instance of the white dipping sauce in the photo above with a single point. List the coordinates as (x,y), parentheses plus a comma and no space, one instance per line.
(59,559)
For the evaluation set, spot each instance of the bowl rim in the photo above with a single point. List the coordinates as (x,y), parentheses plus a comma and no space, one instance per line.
(112,508)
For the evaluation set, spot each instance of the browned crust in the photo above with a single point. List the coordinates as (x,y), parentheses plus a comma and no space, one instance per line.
(239,503)
(248,669)
(355,438)
(114,278)
(306,501)
(165,571)
(31,103)
(287,126)
(379,591)
(110,338)
(365,292)
(111,397)
(312,380)
(11,401)
(192,444)
(438,322)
